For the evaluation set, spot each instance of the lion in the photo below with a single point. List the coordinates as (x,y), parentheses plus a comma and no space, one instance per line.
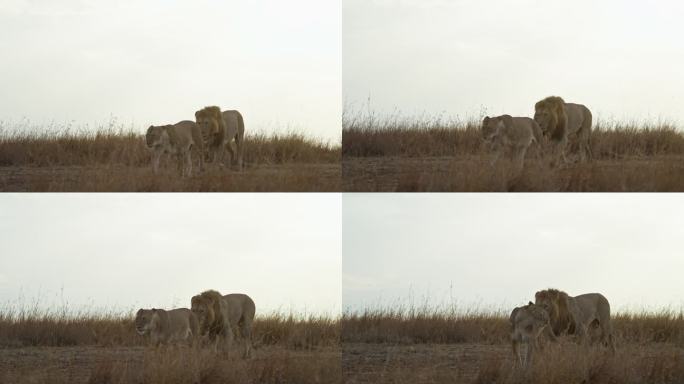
(575,315)
(167,326)
(513,135)
(219,129)
(527,325)
(221,316)
(561,121)
(179,140)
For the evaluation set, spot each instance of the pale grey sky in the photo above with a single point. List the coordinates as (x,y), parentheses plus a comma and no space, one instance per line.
(123,251)
(497,250)
(622,58)
(158,61)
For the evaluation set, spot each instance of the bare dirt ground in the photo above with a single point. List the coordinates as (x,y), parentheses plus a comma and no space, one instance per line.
(420,363)
(90,364)
(474,174)
(289,177)
(480,363)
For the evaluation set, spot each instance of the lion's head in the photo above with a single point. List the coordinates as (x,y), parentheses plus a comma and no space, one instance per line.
(207,307)
(211,125)
(550,115)
(146,320)
(555,302)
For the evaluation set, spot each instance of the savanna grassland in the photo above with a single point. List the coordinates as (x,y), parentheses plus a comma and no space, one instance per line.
(111,159)
(59,347)
(419,154)
(413,345)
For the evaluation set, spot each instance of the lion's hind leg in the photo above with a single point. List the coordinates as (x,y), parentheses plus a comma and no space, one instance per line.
(231,151)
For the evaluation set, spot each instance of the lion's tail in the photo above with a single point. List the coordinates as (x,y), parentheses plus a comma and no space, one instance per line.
(240,134)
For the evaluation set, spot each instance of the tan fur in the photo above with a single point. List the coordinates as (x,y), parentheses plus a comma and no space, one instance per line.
(176,325)
(574,315)
(561,121)
(527,325)
(221,317)
(219,130)
(511,135)
(179,140)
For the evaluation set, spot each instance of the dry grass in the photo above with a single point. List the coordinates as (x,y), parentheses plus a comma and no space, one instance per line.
(116,159)
(435,154)
(434,345)
(55,347)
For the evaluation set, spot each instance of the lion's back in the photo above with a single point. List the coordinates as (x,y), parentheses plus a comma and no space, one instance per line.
(241,306)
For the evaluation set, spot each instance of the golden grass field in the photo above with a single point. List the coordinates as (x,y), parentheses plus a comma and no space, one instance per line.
(432,154)
(445,346)
(43,347)
(116,160)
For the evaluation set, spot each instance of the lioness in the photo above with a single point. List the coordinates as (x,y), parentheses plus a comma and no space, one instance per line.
(575,315)
(167,326)
(179,140)
(219,129)
(512,135)
(527,324)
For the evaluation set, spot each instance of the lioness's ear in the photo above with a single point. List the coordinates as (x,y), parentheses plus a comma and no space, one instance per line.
(530,303)
(485,120)
(507,120)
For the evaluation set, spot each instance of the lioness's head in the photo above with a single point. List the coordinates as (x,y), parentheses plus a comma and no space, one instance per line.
(491,127)
(146,320)
(154,135)
(210,121)
(530,317)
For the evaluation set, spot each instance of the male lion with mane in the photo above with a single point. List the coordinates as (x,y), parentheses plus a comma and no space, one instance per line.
(575,315)
(219,129)
(512,135)
(527,324)
(167,326)
(221,316)
(179,140)
(560,121)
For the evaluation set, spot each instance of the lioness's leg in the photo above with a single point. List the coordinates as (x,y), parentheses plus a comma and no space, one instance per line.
(530,351)
(515,344)
(522,150)
(156,155)
(188,163)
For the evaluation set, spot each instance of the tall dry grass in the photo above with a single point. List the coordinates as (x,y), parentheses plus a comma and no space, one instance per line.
(126,147)
(435,154)
(112,159)
(426,324)
(105,348)
(449,345)
(36,327)
(397,135)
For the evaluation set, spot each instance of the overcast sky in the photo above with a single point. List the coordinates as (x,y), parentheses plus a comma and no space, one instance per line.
(497,250)
(157,61)
(622,58)
(124,251)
